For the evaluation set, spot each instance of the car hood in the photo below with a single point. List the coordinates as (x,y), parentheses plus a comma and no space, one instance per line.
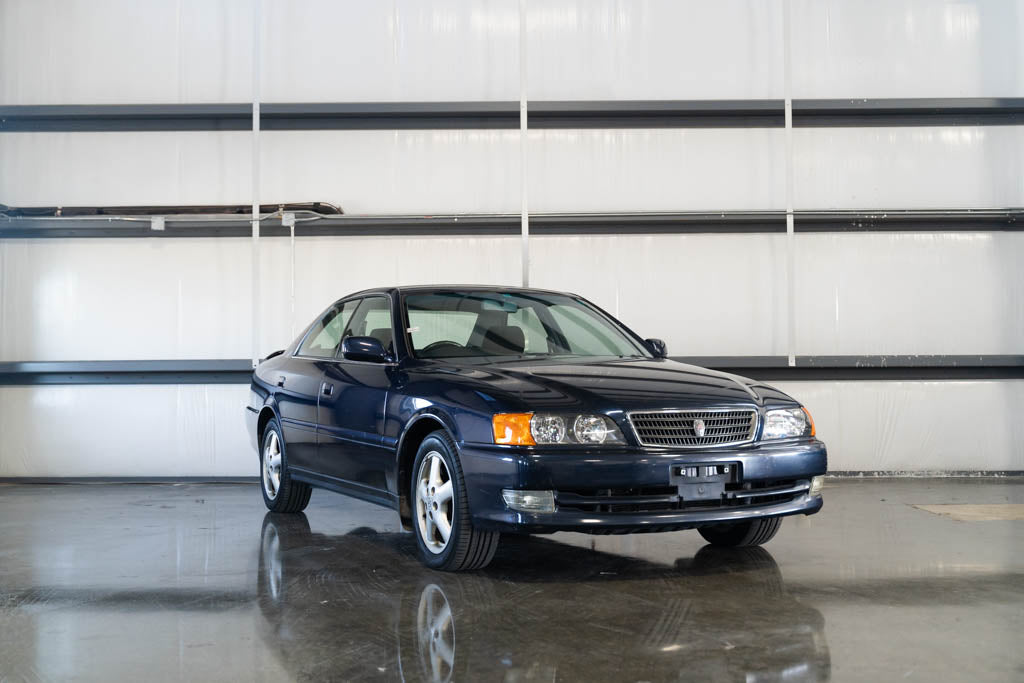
(613,384)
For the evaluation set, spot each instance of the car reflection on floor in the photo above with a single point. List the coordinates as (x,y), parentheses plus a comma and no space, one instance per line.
(360,605)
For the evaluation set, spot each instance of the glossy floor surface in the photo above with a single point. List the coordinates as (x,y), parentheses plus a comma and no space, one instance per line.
(195,582)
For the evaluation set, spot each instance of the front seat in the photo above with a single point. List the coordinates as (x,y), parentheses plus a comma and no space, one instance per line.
(503,340)
(384,336)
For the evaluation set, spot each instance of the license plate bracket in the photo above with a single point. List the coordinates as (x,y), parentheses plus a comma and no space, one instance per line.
(703,481)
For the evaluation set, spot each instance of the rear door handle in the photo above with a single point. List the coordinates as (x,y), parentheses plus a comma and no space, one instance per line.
(327,389)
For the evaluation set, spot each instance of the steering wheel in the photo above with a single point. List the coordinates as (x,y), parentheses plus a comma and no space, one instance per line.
(433,346)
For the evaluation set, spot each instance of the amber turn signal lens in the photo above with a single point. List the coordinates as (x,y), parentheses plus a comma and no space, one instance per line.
(513,429)
(809,419)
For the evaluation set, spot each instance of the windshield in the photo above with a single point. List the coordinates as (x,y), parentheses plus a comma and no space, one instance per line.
(517,324)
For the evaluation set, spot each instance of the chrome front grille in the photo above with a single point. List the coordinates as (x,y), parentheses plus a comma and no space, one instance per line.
(679,428)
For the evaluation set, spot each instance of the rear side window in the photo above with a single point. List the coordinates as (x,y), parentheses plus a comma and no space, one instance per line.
(323,340)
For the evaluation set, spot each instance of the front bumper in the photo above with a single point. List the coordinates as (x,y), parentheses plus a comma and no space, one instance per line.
(488,469)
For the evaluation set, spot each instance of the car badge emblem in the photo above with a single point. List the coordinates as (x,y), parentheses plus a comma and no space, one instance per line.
(699,428)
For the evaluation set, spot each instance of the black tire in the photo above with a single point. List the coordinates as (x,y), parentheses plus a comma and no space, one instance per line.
(467,548)
(741,534)
(290,496)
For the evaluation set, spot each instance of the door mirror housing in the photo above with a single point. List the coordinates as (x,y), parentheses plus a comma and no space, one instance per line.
(367,349)
(657,347)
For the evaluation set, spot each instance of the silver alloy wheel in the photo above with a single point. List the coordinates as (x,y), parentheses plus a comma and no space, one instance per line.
(434,504)
(272,466)
(435,628)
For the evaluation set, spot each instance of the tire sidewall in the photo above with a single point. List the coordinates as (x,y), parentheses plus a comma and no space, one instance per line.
(439,444)
(273,426)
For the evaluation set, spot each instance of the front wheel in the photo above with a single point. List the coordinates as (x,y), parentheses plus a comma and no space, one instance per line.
(740,534)
(444,532)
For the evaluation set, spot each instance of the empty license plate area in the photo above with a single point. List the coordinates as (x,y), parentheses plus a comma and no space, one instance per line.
(704,481)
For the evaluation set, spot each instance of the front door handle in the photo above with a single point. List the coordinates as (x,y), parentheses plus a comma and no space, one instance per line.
(327,389)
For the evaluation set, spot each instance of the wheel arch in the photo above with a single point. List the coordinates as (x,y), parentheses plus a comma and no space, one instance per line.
(416,430)
(267,413)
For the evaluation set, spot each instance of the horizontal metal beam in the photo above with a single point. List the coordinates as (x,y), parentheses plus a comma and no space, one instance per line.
(724,222)
(238,371)
(958,111)
(505,115)
(127,372)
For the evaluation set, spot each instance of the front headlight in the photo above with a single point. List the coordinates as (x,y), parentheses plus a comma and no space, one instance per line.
(529,429)
(787,424)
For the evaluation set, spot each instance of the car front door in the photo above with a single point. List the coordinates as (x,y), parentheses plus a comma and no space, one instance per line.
(351,411)
(298,384)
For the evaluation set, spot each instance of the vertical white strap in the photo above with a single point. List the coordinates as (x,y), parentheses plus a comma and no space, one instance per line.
(523,128)
(255,268)
(787,87)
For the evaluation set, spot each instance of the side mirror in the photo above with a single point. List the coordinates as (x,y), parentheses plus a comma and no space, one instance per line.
(657,347)
(365,349)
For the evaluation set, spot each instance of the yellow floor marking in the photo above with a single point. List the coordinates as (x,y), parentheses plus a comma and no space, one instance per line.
(977,513)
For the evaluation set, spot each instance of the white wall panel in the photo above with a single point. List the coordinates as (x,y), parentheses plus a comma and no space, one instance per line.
(404,50)
(125,431)
(654,49)
(917,426)
(427,172)
(910,48)
(910,293)
(117,169)
(124,51)
(656,170)
(713,295)
(908,168)
(134,299)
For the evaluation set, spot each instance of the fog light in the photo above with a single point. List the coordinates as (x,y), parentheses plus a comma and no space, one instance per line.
(816,485)
(529,501)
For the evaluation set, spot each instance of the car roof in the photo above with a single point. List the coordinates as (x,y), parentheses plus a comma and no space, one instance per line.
(446,288)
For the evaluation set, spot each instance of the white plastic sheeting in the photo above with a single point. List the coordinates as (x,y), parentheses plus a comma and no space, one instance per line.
(477,171)
(125,431)
(856,293)
(910,293)
(123,51)
(570,170)
(910,48)
(914,426)
(118,169)
(705,295)
(120,51)
(908,167)
(197,430)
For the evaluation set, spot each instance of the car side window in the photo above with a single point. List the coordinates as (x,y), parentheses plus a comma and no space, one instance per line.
(325,337)
(372,319)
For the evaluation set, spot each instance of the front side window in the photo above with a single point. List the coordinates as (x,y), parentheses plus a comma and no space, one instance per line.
(325,337)
(372,319)
(522,324)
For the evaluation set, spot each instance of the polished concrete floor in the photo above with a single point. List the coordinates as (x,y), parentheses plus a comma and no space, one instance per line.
(175,582)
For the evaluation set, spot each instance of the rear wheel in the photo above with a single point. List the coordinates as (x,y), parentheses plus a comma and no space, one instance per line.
(739,534)
(444,533)
(280,492)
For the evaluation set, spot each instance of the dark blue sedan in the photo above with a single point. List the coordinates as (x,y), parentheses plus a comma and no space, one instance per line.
(474,411)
